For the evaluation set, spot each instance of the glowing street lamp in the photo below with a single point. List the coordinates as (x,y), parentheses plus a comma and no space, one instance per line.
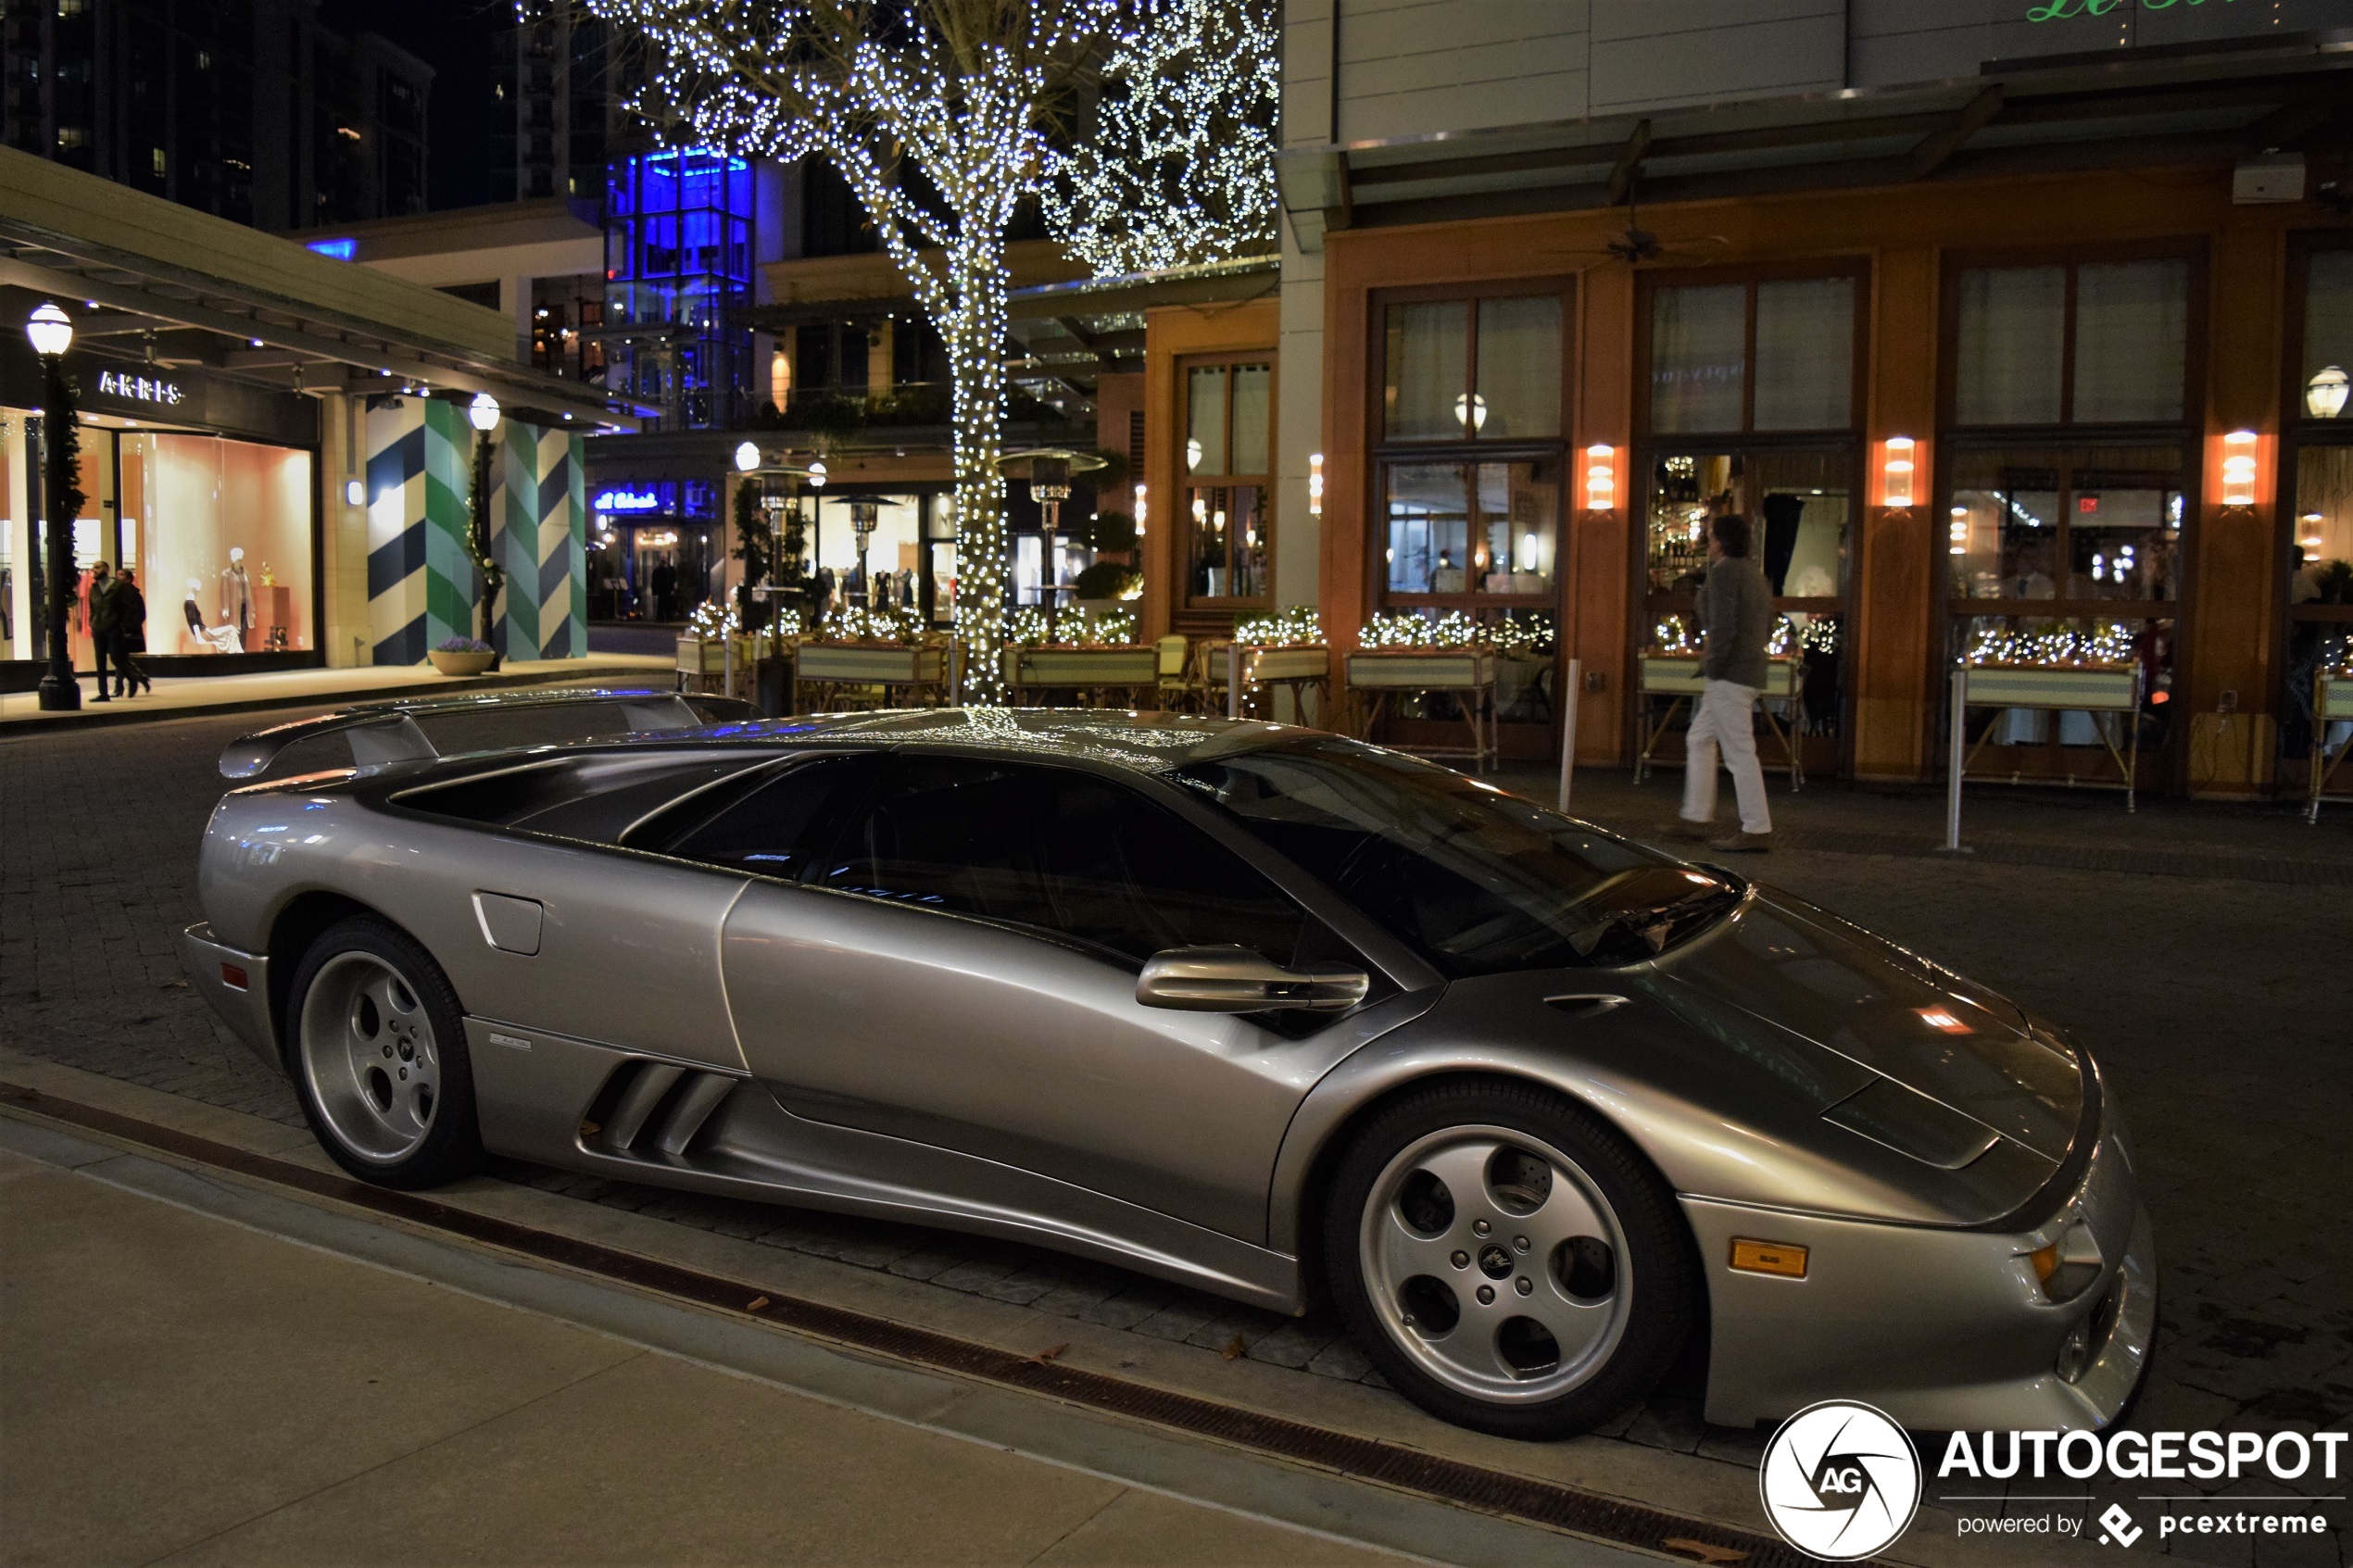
(50,332)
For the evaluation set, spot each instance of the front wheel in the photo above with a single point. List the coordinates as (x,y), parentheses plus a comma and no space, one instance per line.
(380,1058)
(1508,1261)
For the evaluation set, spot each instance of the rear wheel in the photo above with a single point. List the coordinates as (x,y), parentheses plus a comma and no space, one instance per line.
(1507,1259)
(380,1058)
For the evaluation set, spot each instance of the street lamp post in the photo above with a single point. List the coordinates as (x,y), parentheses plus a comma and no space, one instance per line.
(51,334)
(482,414)
(1050,487)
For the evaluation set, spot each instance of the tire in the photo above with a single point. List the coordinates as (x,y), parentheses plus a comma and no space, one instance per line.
(377,1050)
(1592,1281)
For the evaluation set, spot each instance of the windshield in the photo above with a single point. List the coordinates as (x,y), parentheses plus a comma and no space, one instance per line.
(1479,881)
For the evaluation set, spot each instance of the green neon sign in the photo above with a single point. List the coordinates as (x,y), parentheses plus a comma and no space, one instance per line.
(2067,10)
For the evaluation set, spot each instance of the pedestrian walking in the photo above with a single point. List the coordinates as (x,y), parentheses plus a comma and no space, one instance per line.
(129,635)
(1736,619)
(100,616)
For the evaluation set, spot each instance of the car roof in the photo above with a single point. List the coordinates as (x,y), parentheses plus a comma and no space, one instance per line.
(1150,743)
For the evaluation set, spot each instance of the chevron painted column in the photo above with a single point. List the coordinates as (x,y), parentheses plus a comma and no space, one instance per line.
(421,585)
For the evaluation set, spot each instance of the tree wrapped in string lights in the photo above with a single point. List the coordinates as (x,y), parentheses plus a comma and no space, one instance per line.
(957,91)
(1180,168)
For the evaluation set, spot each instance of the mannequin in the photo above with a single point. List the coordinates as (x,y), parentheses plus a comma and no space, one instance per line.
(222,639)
(236,594)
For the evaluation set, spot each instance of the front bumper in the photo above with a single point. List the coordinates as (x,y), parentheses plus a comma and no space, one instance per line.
(1944,1330)
(215,970)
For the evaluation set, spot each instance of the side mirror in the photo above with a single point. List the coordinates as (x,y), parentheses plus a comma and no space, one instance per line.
(1237,980)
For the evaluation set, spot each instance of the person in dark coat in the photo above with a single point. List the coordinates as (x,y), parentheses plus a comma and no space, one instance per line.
(129,635)
(100,615)
(665,586)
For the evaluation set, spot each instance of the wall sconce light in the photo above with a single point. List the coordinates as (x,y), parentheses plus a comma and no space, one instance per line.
(1959,532)
(1897,469)
(2324,393)
(1140,511)
(1600,478)
(2312,541)
(1314,484)
(2238,469)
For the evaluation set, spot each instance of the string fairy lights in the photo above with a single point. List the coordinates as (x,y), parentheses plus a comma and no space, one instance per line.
(1295,626)
(1180,168)
(960,91)
(2100,644)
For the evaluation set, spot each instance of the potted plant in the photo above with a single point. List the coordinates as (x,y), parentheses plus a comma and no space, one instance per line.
(462,655)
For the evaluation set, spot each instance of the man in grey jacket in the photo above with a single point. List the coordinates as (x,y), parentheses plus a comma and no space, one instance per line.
(1736,621)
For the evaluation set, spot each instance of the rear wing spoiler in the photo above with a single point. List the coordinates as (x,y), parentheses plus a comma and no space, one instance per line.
(382,733)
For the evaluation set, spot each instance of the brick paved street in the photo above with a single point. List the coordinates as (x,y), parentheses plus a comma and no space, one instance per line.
(2201,949)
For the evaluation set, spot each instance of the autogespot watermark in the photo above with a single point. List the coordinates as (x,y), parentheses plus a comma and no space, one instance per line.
(1841,1480)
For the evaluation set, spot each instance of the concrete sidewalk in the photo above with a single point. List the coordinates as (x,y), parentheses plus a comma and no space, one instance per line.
(185,1390)
(186,697)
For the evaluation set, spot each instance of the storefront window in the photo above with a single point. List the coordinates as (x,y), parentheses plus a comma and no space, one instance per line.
(1229,410)
(2095,524)
(2320,628)
(2085,342)
(1472,528)
(1775,355)
(1442,381)
(224,531)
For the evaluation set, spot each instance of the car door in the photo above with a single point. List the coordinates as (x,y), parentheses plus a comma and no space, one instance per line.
(960,970)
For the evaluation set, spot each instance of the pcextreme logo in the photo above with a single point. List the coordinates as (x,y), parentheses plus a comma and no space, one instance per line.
(1840,1480)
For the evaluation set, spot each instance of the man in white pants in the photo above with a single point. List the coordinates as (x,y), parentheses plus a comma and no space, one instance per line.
(1736,619)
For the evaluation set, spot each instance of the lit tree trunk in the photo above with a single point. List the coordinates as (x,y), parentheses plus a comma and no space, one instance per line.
(972,328)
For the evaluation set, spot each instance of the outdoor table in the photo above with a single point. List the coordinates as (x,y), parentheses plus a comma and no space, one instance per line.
(1090,670)
(1301,668)
(920,669)
(1469,674)
(2091,689)
(2331,700)
(1677,677)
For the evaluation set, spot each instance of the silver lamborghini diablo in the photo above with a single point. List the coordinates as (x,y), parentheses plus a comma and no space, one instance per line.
(1258,1009)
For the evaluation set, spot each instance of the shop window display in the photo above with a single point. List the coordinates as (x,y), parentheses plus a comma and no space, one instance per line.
(1471,527)
(223,530)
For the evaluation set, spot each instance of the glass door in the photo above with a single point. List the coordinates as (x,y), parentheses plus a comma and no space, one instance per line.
(1799,502)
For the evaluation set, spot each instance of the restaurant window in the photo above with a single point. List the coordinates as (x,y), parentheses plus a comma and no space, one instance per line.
(2073,343)
(2063,545)
(1774,355)
(1751,408)
(1229,431)
(2319,465)
(1471,466)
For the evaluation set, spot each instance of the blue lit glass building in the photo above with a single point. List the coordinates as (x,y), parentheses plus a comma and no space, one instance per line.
(680,227)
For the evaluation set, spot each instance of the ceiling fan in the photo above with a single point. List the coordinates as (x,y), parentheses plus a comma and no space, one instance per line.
(1635,244)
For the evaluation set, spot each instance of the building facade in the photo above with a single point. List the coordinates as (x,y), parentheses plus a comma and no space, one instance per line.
(247,109)
(276,440)
(1978,311)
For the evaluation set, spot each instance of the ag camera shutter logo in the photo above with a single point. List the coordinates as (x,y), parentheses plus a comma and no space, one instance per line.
(1840,1480)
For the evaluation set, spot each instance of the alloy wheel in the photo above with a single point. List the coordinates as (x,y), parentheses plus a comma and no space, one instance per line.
(1494,1262)
(369,1053)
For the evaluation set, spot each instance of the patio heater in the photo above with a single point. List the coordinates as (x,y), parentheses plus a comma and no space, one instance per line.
(1050,487)
(865,513)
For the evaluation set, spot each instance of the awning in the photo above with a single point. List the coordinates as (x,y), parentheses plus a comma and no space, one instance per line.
(2213,102)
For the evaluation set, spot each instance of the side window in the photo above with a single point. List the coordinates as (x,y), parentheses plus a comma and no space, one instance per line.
(1059,850)
(778,826)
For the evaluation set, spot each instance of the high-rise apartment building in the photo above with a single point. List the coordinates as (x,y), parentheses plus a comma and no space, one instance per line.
(247,109)
(562,79)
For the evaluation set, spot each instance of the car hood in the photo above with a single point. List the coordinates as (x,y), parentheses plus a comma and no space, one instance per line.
(1876,1006)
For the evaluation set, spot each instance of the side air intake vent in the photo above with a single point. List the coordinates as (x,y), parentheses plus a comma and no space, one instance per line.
(652,1110)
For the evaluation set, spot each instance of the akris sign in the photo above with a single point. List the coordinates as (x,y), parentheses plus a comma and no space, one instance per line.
(2061,10)
(141,389)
